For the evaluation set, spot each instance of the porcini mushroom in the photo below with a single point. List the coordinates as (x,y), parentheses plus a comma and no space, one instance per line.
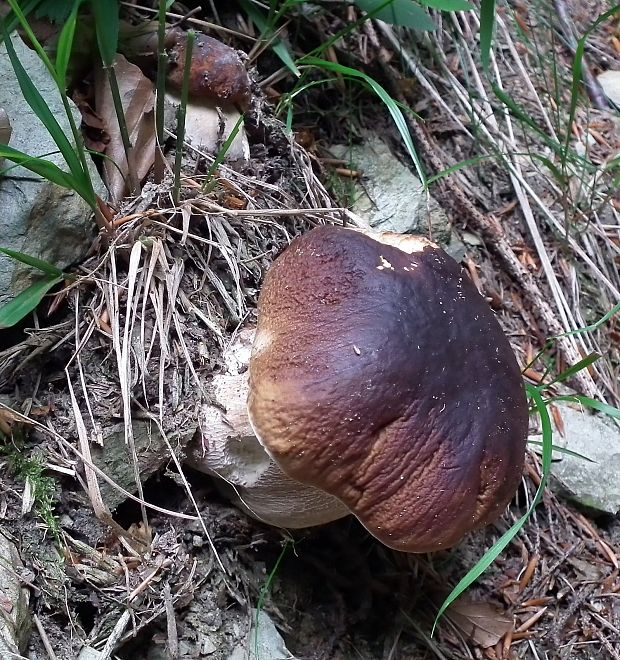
(380,384)
(380,376)
(220,89)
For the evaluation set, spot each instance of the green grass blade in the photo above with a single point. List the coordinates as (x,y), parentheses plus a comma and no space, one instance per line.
(65,44)
(472,575)
(11,20)
(491,555)
(178,158)
(219,159)
(404,13)
(107,27)
(265,589)
(42,111)
(577,68)
(579,366)
(588,328)
(45,266)
(266,30)
(487,27)
(162,68)
(44,168)
(563,450)
(587,402)
(13,312)
(389,102)
(448,5)
(23,21)
(547,436)
(464,164)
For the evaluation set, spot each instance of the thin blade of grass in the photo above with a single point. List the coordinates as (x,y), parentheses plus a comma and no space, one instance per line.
(577,68)
(563,450)
(18,12)
(491,555)
(219,159)
(42,111)
(487,28)
(588,403)
(44,168)
(191,38)
(470,162)
(264,592)
(278,46)
(11,20)
(448,5)
(576,368)
(404,13)
(45,266)
(13,312)
(106,27)
(388,101)
(65,44)
(160,97)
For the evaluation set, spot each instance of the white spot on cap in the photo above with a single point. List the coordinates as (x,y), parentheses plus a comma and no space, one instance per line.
(384,264)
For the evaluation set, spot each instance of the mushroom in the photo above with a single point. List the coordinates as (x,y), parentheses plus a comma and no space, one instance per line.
(380,377)
(219,91)
(217,71)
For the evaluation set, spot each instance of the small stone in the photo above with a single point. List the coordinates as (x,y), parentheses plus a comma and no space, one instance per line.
(15,620)
(66,522)
(39,218)
(207,647)
(268,645)
(390,197)
(595,485)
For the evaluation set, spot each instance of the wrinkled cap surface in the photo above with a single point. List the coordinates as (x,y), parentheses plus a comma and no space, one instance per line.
(217,72)
(383,378)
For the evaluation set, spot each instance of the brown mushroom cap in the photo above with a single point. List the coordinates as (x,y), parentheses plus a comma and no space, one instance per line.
(380,375)
(217,72)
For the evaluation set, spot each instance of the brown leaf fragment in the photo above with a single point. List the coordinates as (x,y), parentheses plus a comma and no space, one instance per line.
(96,137)
(558,420)
(483,623)
(5,127)
(9,418)
(138,100)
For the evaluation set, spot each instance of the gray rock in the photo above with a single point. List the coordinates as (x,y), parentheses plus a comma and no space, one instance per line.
(113,456)
(38,218)
(268,645)
(594,485)
(14,600)
(610,82)
(389,196)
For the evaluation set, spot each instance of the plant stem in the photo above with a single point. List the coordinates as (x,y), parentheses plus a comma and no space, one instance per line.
(191,37)
(134,184)
(162,67)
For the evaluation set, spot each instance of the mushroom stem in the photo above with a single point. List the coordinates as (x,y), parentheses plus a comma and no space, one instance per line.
(228,450)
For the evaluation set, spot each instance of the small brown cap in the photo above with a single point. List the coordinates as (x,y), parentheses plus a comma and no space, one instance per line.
(217,71)
(380,375)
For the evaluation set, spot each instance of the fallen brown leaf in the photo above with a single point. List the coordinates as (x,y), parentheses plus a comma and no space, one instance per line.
(138,100)
(483,623)
(8,419)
